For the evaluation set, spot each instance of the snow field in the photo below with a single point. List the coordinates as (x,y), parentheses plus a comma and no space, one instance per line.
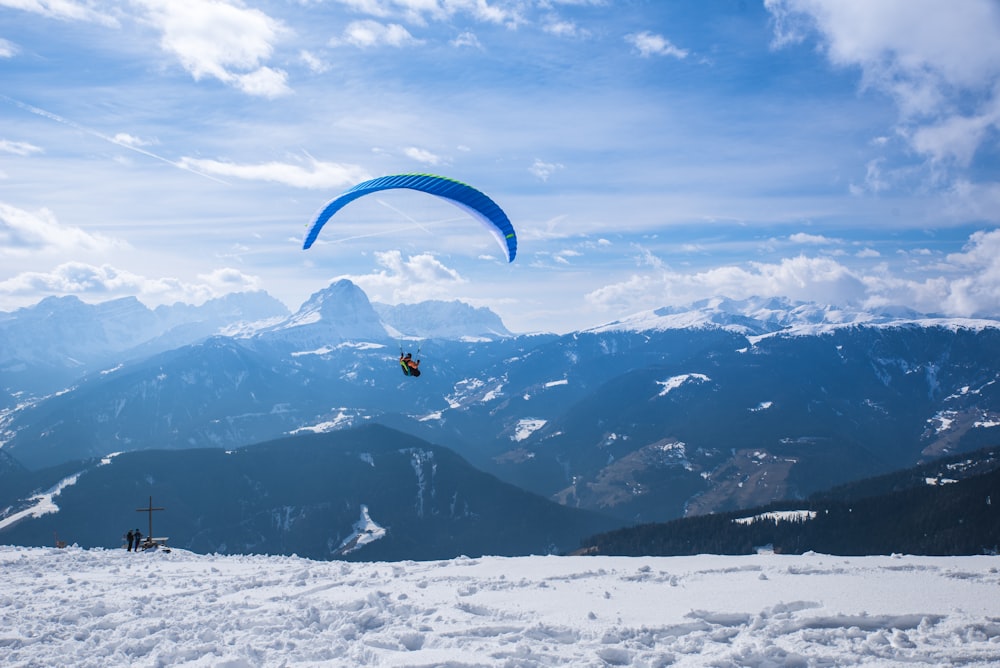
(114,608)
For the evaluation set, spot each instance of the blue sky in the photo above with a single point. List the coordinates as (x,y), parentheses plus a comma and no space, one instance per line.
(649,153)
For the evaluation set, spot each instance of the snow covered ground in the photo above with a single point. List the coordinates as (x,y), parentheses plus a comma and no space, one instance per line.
(62,607)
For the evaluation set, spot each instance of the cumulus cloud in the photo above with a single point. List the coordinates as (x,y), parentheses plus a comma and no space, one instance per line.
(125,139)
(368,33)
(24,232)
(467,39)
(800,278)
(976,201)
(563,28)
(812,239)
(422,155)
(220,40)
(976,291)
(543,170)
(312,174)
(964,284)
(226,279)
(108,282)
(939,61)
(650,44)
(413,279)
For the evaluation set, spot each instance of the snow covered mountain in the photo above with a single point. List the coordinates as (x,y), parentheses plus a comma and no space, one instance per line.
(757,316)
(369,493)
(338,313)
(48,346)
(442,320)
(671,412)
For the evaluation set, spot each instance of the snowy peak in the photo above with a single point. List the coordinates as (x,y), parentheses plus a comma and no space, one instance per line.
(442,320)
(339,312)
(758,316)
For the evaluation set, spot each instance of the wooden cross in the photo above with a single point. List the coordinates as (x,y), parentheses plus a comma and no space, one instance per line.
(149,510)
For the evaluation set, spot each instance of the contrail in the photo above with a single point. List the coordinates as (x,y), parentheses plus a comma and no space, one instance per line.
(392,231)
(65,121)
(407,216)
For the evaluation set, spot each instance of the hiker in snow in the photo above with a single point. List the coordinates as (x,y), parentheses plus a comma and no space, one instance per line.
(130,537)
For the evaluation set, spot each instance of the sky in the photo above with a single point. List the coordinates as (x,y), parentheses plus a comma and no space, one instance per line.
(110,607)
(649,153)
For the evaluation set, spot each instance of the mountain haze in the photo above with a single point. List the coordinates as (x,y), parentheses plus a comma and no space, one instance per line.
(664,414)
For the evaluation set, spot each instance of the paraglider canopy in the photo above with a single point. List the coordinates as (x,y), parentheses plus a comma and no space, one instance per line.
(465,196)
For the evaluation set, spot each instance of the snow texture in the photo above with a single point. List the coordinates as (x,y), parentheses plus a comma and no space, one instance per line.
(115,608)
(674,382)
(41,504)
(366,531)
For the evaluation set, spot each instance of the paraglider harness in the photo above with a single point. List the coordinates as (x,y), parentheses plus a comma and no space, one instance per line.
(404,362)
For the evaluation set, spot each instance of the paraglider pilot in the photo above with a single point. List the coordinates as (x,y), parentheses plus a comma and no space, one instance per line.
(409,364)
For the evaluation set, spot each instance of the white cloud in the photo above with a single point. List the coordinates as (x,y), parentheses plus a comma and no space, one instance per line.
(563,28)
(314,63)
(126,139)
(225,280)
(965,284)
(875,179)
(417,278)
(108,282)
(975,201)
(66,10)
(421,11)
(940,61)
(422,155)
(564,256)
(543,170)
(468,39)
(314,174)
(263,82)
(213,38)
(955,138)
(23,232)
(810,239)
(650,44)
(366,34)
(802,278)
(7,49)
(18,147)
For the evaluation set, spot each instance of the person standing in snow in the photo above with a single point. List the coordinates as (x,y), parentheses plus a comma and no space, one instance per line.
(130,537)
(138,539)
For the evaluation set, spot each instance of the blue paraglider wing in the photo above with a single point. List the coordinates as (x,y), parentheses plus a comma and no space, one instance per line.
(464,195)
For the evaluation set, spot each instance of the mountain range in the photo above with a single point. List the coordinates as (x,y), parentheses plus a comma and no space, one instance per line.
(944,507)
(674,412)
(370,493)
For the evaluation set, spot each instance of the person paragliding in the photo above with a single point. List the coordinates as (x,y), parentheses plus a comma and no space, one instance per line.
(411,367)
(461,194)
